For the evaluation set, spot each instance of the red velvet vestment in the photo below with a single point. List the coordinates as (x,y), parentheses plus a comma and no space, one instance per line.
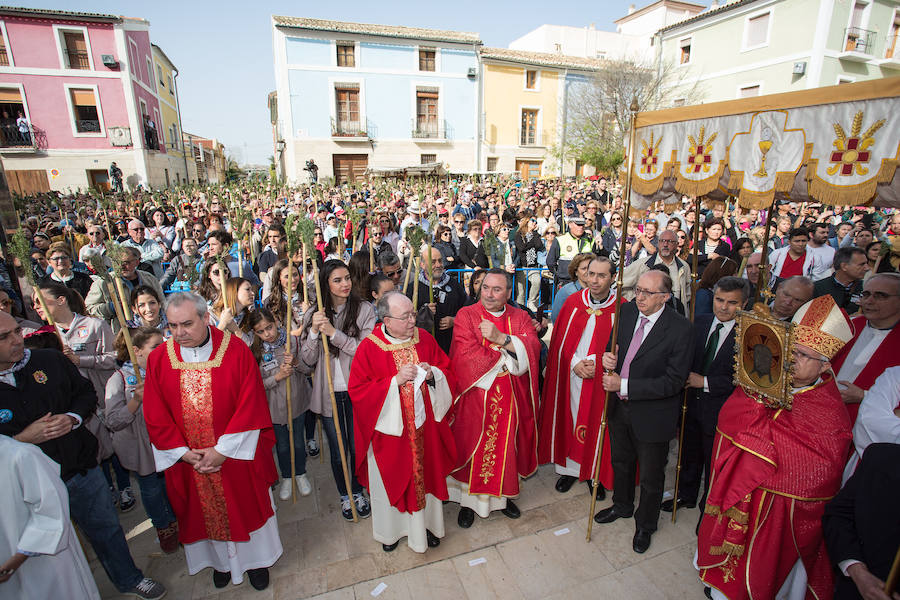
(559,438)
(887,355)
(417,462)
(772,473)
(192,405)
(495,429)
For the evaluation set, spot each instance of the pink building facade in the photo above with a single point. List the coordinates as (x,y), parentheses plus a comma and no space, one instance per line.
(78,92)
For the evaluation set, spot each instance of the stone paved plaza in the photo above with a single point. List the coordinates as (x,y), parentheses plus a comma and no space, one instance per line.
(543,554)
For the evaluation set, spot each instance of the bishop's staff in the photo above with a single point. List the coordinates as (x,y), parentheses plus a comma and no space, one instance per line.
(615,329)
(306,227)
(694,285)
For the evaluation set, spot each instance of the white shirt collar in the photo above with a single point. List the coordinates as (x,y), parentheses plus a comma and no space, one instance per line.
(654,317)
(497,314)
(198,354)
(391,338)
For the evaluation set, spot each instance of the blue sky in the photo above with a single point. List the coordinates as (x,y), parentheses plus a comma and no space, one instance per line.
(223,50)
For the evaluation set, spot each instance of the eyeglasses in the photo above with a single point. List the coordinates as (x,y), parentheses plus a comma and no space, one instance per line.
(876,295)
(135,229)
(445,233)
(95,233)
(392,274)
(64,258)
(797,355)
(642,292)
(459,222)
(551,233)
(404,317)
(318,233)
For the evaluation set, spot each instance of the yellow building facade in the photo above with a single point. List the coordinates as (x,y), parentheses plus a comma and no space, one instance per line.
(525,95)
(165,72)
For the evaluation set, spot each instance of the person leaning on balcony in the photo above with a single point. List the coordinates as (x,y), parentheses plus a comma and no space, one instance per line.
(24,128)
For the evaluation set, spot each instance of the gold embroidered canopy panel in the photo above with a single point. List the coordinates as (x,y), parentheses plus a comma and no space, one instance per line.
(836,145)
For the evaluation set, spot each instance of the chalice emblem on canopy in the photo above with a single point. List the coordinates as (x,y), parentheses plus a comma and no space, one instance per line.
(765,144)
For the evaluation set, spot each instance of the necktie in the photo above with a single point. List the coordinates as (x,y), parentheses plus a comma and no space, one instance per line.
(636,340)
(712,345)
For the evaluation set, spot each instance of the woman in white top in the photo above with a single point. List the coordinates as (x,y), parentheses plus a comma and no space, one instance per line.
(345,320)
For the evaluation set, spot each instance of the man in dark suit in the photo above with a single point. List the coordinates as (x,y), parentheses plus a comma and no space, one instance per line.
(862,525)
(651,358)
(710,383)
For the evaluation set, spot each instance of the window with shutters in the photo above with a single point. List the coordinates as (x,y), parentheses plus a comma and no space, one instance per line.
(4,50)
(427,159)
(684,56)
(749,91)
(74,47)
(529,131)
(347,110)
(427,59)
(492,163)
(531,79)
(85,107)
(346,56)
(426,113)
(756,31)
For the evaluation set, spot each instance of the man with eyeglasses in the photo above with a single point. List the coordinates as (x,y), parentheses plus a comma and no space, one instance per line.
(679,271)
(565,247)
(402,387)
(876,341)
(61,265)
(646,370)
(449,297)
(389,266)
(99,300)
(379,244)
(773,470)
(152,252)
(95,245)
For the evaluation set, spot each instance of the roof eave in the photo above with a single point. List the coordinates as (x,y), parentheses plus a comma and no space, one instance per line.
(40,13)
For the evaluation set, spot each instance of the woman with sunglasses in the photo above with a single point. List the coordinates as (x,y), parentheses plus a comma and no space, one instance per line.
(611,237)
(528,243)
(545,219)
(468,246)
(346,319)
(443,241)
(95,246)
(211,279)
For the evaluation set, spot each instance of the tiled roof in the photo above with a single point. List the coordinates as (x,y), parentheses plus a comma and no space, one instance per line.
(59,14)
(395,31)
(709,13)
(547,59)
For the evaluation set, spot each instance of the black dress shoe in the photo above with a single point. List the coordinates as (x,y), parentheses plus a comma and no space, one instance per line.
(433,540)
(641,540)
(608,515)
(667,505)
(259,578)
(565,483)
(512,511)
(390,547)
(221,579)
(466,517)
(601,492)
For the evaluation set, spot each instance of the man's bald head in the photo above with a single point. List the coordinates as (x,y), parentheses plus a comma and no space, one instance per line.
(791,295)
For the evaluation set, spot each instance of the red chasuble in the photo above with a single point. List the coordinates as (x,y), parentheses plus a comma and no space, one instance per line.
(417,462)
(772,473)
(559,437)
(887,355)
(192,405)
(495,429)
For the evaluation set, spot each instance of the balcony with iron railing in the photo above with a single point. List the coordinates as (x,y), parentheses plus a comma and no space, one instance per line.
(529,136)
(77,59)
(12,139)
(87,125)
(352,130)
(858,44)
(430,129)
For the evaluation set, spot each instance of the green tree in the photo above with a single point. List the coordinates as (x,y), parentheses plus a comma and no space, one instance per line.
(233,171)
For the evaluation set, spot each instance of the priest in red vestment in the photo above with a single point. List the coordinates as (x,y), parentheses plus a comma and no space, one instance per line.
(494,355)
(569,423)
(401,387)
(875,342)
(211,434)
(773,472)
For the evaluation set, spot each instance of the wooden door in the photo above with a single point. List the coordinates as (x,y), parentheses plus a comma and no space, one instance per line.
(99,179)
(28,181)
(529,169)
(350,167)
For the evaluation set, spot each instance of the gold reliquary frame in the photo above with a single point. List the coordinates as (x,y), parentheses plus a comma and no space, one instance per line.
(762,357)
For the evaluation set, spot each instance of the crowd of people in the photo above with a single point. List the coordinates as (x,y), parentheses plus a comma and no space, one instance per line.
(447,337)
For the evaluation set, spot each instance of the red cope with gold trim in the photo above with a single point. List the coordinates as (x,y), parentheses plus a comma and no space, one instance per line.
(193,405)
(417,462)
(495,429)
(772,473)
(559,438)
